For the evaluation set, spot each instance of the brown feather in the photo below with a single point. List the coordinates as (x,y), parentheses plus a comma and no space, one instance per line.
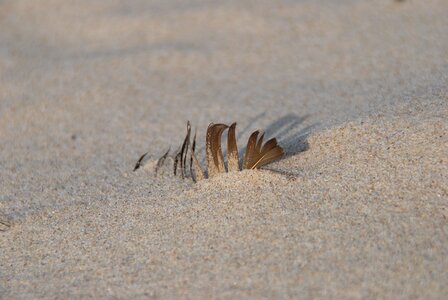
(269,145)
(256,151)
(184,150)
(161,161)
(232,150)
(259,143)
(251,144)
(258,154)
(194,164)
(208,147)
(193,146)
(140,161)
(176,161)
(268,157)
(215,160)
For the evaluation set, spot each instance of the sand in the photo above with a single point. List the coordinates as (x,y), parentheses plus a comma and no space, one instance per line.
(355,91)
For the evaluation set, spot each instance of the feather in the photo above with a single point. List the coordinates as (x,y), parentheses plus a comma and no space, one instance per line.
(176,161)
(258,155)
(194,164)
(232,150)
(259,143)
(184,149)
(268,157)
(251,144)
(269,145)
(161,160)
(140,162)
(181,155)
(193,147)
(215,160)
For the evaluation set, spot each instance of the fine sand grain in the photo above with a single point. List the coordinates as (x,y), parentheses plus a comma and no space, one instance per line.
(355,91)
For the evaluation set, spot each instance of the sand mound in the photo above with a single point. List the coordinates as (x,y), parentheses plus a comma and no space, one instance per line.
(361,213)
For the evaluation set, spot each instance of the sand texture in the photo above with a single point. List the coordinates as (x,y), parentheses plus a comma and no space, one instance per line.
(355,91)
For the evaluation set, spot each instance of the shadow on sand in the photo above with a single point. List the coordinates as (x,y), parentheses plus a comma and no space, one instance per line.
(288,130)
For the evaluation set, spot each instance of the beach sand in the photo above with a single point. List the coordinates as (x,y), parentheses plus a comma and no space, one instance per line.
(355,91)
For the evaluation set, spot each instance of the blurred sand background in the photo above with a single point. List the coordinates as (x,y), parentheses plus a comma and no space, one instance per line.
(355,91)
